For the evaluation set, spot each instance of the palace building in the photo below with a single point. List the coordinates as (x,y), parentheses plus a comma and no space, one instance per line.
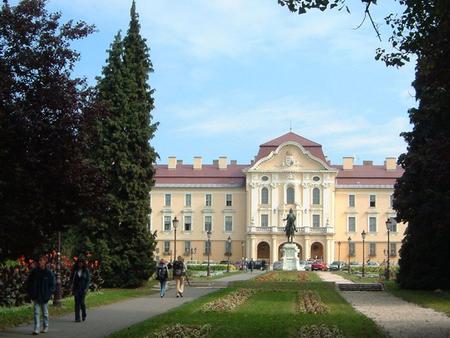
(243,205)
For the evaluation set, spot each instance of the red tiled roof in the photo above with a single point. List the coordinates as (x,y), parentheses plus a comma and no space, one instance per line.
(314,148)
(368,175)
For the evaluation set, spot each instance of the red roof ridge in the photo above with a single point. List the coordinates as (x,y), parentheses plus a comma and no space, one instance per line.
(293,137)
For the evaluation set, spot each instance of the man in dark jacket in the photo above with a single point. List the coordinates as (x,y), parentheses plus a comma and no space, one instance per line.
(40,287)
(80,287)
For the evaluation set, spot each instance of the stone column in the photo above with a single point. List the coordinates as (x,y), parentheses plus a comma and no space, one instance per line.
(251,252)
(274,249)
(307,248)
(306,204)
(254,204)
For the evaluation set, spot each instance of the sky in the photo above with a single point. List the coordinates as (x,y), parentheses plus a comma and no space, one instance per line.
(230,75)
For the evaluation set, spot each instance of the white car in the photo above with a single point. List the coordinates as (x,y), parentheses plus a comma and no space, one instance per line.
(302,265)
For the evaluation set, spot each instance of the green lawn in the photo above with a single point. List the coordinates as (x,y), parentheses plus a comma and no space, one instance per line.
(439,301)
(271,312)
(13,316)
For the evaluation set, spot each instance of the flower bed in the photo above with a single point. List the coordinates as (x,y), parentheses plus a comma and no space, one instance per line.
(321,331)
(269,276)
(310,302)
(274,276)
(229,302)
(183,331)
(303,277)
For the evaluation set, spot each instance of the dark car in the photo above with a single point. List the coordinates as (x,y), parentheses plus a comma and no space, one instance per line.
(319,266)
(259,265)
(336,266)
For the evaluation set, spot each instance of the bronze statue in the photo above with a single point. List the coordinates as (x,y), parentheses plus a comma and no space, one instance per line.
(290,228)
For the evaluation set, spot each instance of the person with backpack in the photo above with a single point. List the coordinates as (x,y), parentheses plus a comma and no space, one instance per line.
(179,271)
(251,265)
(80,287)
(162,274)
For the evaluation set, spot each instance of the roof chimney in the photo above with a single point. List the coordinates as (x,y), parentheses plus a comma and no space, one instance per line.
(180,162)
(367,162)
(223,162)
(172,162)
(390,163)
(197,162)
(233,162)
(347,163)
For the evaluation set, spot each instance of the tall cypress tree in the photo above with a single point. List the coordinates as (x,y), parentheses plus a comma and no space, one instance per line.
(126,159)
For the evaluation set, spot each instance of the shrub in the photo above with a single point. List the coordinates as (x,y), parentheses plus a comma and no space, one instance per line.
(188,331)
(13,275)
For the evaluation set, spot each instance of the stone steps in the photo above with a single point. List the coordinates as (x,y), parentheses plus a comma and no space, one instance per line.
(360,286)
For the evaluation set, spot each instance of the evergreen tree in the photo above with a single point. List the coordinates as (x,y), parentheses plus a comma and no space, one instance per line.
(422,194)
(44,180)
(126,160)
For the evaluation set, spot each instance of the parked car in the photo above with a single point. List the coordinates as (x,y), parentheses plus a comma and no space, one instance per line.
(277,265)
(302,265)
(260,264)
(336,266)
(308,265)
(319,265)
(373,264)
(355,264)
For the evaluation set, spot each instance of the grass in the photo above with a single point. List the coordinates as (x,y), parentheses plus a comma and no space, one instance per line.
(13,316)
(269,313)
(439,301)
(215,277)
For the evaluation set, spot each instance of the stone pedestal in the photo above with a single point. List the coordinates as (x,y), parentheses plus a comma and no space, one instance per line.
(290,257)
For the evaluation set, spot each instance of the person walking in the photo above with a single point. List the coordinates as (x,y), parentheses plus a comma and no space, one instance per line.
(80,286)
(251,265)
(179,271)
(162,274)
(40,287)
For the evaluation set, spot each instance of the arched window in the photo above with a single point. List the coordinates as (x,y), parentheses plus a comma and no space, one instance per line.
(264,196)
(290,195)
(316,196)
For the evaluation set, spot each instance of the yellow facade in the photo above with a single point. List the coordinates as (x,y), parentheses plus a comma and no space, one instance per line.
(250,209)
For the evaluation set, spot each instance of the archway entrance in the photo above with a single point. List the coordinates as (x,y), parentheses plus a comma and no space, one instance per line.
(280,252)
(263,251)
(317,250)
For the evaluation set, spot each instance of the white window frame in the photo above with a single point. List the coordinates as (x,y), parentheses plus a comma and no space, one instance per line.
(313,195)
(375,201)
(208,246)
(204,223)
(262,199)
(186,204)
(354,201)
(225,223)
(352,249)
(230,200)
(348,224)
(184,222)
(293,190)
(164,246)
(374,253)
(395,251)
(165,200)
(228,247)
(164,222)
(368,224)
(267,216)
(187,247)
(208,203)
(312,220)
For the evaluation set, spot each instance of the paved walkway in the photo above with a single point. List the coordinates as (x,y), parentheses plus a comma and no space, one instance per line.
(105,320)
(400,319)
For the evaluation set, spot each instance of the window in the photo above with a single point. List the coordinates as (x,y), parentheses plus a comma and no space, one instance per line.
(167,200)
(393,249)
(208,223)
(228,223)
(264,196)
(208,200)
(372,224)
(166,247)
(167,223)
(351,201)
(351,249)
(207,247)
(352,224)
(316,221)
(290,196)
(187,223)
(187,247)
(316,196)
(264,178)
(229,200)
(316,178)
(372,201)
(393,224)
(264,220)
(228,248)
(391,201)
(372,249)
(187,200)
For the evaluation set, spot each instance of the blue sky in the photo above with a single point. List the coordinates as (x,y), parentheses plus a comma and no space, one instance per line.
(232,74)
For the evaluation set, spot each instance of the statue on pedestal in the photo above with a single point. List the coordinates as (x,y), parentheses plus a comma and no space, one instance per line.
(290,228)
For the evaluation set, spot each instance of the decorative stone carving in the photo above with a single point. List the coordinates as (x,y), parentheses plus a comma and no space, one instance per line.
(290,257)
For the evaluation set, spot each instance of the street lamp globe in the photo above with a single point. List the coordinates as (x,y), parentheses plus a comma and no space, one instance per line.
(175,222)
(363,235)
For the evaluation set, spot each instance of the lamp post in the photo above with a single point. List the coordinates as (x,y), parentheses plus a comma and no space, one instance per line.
(228,252)
(349,240)
(339,254)
(387,272)
(58,295)
(175,225)
(209,250)
(193,251)
(363,235)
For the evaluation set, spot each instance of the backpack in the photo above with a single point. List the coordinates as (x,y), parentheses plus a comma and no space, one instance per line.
(178,268)
(161,274)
